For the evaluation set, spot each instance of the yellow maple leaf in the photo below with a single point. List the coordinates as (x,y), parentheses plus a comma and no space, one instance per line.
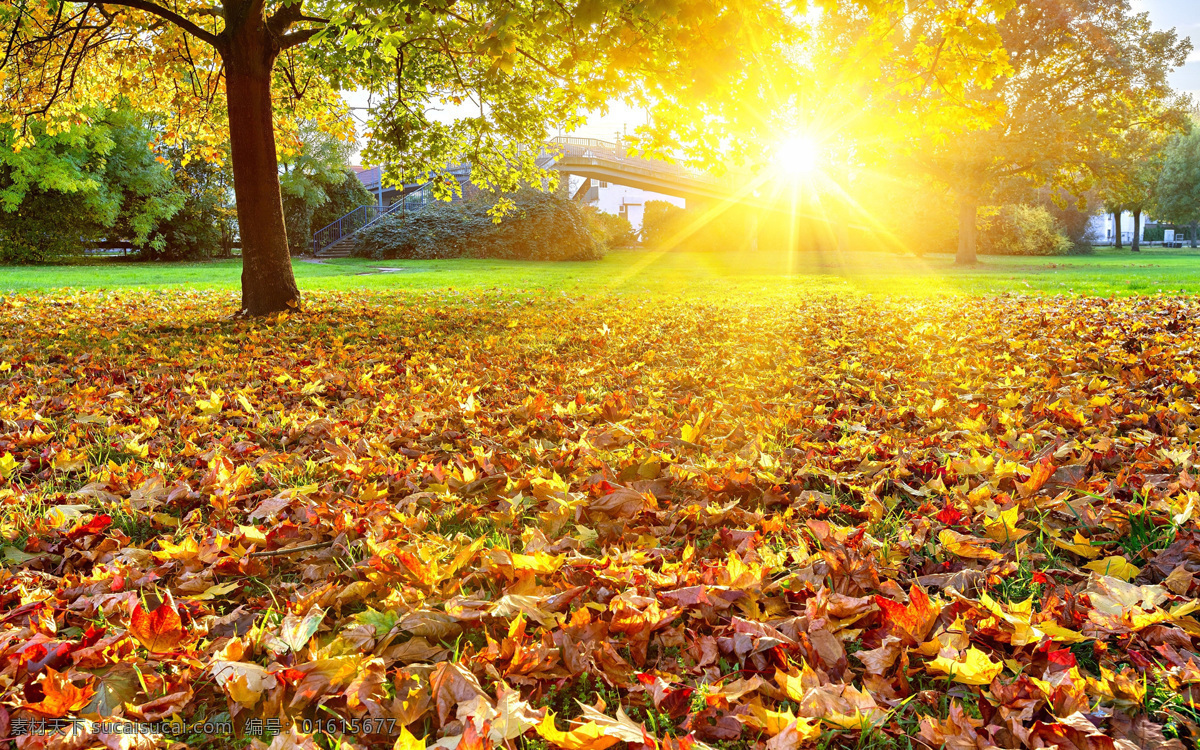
(771,722)
(973,667)
(1115,566)
(1004,528)
(8,465)
(1060,634)
(406,741)
(965,545)
(1081,547)
(589,736)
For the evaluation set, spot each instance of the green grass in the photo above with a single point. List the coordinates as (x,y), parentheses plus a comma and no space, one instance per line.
(1107,272)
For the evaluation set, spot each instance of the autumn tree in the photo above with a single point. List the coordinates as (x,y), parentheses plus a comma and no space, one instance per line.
(1079,76)
(1130,178)
(522,70)
(1178,191)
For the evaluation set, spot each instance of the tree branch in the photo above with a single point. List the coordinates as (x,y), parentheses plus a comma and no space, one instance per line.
(169,15)
(294,38)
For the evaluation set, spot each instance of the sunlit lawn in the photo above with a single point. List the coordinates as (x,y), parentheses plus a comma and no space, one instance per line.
(1107,272)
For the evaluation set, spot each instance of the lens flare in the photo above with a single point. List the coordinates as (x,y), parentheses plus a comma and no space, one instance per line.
(799,155)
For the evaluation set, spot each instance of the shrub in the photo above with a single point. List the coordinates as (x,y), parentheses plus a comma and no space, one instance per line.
(1019,229)
(612,230)
(74,187)
(540,226)
(661,221)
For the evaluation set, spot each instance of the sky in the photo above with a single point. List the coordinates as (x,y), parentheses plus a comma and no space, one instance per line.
(1184,17)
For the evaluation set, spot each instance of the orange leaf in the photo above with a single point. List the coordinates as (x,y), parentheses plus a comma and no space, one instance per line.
(160,630)
(1042,471)
(62,697)
(914,620)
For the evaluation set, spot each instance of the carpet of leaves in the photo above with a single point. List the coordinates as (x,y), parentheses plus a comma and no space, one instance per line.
(504,521)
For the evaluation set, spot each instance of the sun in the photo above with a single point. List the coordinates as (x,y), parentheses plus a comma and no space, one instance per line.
(798,155)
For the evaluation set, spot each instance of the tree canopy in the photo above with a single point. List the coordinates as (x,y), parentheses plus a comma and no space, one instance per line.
(1077,79)
(82,182)
(1178,191)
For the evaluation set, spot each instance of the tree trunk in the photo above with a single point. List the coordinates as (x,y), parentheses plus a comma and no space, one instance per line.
(1136,245)
(968,231)
(267,281)
(1117,229)
(1192,234)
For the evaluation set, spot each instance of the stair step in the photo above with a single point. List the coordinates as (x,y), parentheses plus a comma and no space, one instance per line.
(340,249)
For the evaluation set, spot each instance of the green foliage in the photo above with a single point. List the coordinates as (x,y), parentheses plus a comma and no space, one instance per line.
(342,198)
(1179,183)
(539,226)
(1019,229)
(206,223)
(611,229)
(920,218)
(1072,213)
(661,220)
(312,172)
(73,187)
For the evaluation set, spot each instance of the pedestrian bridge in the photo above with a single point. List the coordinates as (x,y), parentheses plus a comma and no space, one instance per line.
(589,158)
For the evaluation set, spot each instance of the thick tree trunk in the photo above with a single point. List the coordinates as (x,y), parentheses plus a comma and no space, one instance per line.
(1117,228)
(1136,245)
(1192,234)
(267,281)
(968,231)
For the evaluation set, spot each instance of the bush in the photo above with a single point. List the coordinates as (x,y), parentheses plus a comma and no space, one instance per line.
(72,188)
(541,226)
(661,221)
(612,230)
(669,227)
(1019,229)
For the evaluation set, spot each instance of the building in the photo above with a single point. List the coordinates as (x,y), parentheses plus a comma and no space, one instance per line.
(1103,228)
(611,198)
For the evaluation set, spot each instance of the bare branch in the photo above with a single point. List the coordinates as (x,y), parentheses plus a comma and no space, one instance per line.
(190,27)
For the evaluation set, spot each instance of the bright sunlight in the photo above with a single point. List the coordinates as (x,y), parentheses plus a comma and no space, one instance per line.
(799,155)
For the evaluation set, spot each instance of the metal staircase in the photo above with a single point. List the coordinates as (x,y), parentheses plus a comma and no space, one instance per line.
(337,239)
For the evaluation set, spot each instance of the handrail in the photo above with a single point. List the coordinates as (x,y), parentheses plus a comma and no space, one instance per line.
(359,218)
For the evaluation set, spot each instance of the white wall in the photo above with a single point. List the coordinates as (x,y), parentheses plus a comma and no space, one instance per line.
(1104,227)
(613,198)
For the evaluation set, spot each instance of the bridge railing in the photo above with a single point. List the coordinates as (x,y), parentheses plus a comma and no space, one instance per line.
(608,153)
(591,150)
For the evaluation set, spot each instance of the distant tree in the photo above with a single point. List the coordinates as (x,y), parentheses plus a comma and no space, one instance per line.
(206,224)
(1080,75)
(342,196)
(313,161)
(1178,199)
(71,187)
(1131,176)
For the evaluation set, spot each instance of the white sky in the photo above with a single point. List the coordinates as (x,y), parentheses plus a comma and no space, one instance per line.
(1184,17)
